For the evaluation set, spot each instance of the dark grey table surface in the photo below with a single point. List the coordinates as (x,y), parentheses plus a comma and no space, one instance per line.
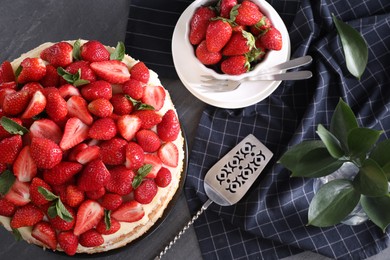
(25,25)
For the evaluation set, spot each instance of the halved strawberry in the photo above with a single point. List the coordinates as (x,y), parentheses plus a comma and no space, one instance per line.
(58,54)
(169,127)
(27,215)
(148,140)
(128,126)
(45,233)
(6,72)
(94,51)
(46,128)
(8,85)
(113,71)
(68,242)
(78,107)
(140,72)
(169,154)
(74,133)
(24,167)
(149,118)
(45,153)
(101,107)
(113,151)
(15,102)
(61,173)
(68,90)
(103,129)
(154,96)
(88,215)
(120,181)
(97,89)
(4,92)
(33,69)
(91,238)
(88,154)
(37,105)
(156,163)
(10,148)
(32,87)
(93,177)
(19,194)
(130,211)
(134,156)
(36,197)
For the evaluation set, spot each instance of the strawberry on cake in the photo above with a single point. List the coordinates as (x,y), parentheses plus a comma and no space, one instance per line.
(91,149)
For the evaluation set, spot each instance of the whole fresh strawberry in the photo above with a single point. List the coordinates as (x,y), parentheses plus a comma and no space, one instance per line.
(120,181)
(84,66)
(10,148)
(169,127)
(61,173)
(103,129)
(6,208)
(91,238)
(74,196)
(247,13)
(146,191)
(226,6)
(51,78)
(271,39)
(263,24)
(122,106)
(27,215)
(16,102)
(134,156)
(104,230)
(56,107)
(100,107)
(235,65)
(45,233)
(68,242)
(148,140)
(45,153)
(58,55)
(111,201)
(134,88)
(97,89)
(113,151)
(240,43)
(94,51)
(93,177)
(140,72)
(149,118)
(33,69)
(218,34)
(198,24)
(205,56)
(163,178)
(36,197)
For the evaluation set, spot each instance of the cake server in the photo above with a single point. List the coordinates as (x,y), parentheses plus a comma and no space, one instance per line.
(230,178)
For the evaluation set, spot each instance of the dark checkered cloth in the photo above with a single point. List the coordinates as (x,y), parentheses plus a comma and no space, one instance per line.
(270,221)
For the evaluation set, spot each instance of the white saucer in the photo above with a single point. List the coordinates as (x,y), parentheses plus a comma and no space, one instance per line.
(189,68)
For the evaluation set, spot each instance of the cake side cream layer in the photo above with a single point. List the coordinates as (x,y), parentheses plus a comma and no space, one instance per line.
(154,210)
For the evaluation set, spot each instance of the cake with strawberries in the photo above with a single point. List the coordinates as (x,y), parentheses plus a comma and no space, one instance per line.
(91,149)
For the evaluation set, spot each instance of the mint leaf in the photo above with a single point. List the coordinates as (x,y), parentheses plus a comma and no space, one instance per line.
(119,52)
(76,50)
(49,196)
(74,79)
(7,179)
(141,174)
(18,71)
(52,211)
(138,105)
(107,219)
(62,212)
(17,235)
(12,127)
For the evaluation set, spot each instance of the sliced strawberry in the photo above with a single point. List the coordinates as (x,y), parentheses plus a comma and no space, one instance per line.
(156,163)
(78,107)
(37,105)
(24,167)
(74,196)
(36,197)
(169,154)
(97,89)
(120,181)
(163,178)
(6,72)
(88,154)
(4,92)
(146,191)
(148,140)
(94,176)
(19,194)
(72,153)
(149,118)
(74,133)
(51,78)
(10,148)
(169,128)
(140,72)
(58,55)
(128,126)
(27,215)
(56,107)
(33,69)
(134,88)
(102,227)
(15,102)
(86,72)
(113,71)
(113,151)
(68,242)
(154,96)
(61,173)
(6,208)
(45,153)
(8,85)
(134,156)
(88,215)
(94,51)
(130,211)
(67,91)
(122,106)
(91,238)
(32,87)
(46,128)
(103,129)
(100,107)
(46,234)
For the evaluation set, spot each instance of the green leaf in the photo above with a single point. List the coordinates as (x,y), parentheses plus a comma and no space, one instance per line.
(12,127)
(371,180)
(375,209)
(138,105)
(354,46)
(332,203)
(17,235)
(74,79)
(342,122)
(386,170)
(18,71)
(62,212)
(380,153)
(119,52)
(49,196)
(52,211)
(330,141)
(76,50)
(361,140)
(107,219)
(7,179)
(141,174)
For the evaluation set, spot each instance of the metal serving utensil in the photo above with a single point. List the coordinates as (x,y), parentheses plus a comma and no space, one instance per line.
(231,177)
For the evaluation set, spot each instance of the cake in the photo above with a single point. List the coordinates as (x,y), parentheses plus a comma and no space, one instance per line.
(91,149)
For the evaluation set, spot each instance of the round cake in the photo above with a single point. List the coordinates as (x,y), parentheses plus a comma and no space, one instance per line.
(91,149)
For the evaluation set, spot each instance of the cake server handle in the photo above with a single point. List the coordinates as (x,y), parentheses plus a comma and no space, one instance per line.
(189,224)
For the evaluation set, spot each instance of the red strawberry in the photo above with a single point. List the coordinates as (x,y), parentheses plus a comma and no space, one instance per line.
(51,78)
(102,228)
(86,71)
(15,102)
(128,126)
(120,181)
(45,153)
(130,211)
(46,234)
(72,153)
(78,107)
(67,90)
(61,173)
(149,118)
(56,107)
(156,163)
(169,128)
(272,39)
(263,24)
(10,148)
(6,208)
(100,107)
(33,69)
(58,55)
(91,238)
(4,133)
(3,167)
(19,194)
(62,225)
(240,43)
(88,215)
(154,96)
(96,194)
(46,128)
(260,50)
(32,87)
(74,196)
(97,89)
(113,71)
(36,197)
(60,190)
(146,191)
(248,13)
(148,140)
(68,242)
(140,72)
(113,151)
(111,201)
(218,34)
(4,93)
(163,178)
(134,156)
(205,56)
(27,215)
(24,167)
(94,176)
(235,65)
(37,105)
(134,88)
(94,51)
(169,154)
(226,6)
(122,106)
(74,133)
(103,129)
(6,72)
(88,154)
(8,85)
(198,24)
